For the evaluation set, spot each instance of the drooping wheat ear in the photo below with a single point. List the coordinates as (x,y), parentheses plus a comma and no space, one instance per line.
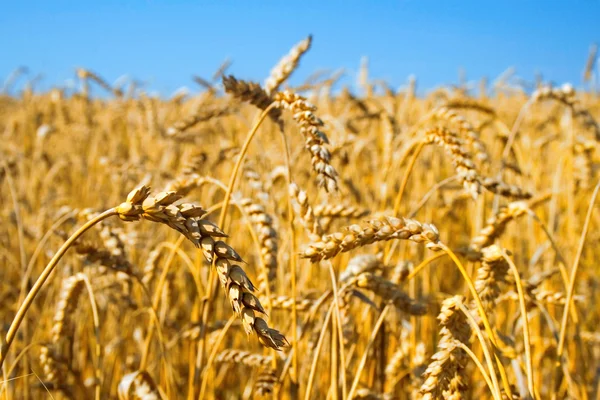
(327,212)
(303,209)
(566,95)
(84,74)
(466,130)
(497,224)
(138,385)
(461,159)
(72,287)
(201,115)
(253,93)
(361,263)
(95,254)
(282,71)
(265,383)
(445,376)
(389,291)
(490,275)
(376,230)
(184,184)
(315,139)
(468,103)
(583,164)
(246,358)
(267,236)
(186,219)
(193,333)
(286,303)
(505,190)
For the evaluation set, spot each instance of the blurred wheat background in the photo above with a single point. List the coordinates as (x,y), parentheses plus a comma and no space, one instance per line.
(283,239)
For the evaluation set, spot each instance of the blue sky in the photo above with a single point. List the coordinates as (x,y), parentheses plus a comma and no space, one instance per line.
(165,43)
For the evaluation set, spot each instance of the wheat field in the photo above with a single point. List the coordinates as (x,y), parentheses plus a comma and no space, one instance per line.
(260,240)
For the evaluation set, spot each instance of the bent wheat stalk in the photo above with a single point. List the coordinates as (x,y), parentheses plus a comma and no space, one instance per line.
(39,283)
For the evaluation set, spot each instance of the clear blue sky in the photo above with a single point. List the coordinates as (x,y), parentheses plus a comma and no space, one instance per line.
(164,43)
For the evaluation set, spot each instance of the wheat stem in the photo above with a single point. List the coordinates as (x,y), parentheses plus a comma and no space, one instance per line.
(37,286)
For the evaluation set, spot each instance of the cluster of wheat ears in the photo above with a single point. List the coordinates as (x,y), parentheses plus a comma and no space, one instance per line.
(250,241)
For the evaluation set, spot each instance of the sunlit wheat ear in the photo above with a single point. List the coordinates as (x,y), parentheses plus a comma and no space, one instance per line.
(68,298)
(490,275)
(186,219)
(201,115)
(496,225)
(268,238)
(461,159)
(376,230)
(467,103)
(54,356)
(445,376)
(361,263)
(304,211)
(505,190)
(566,95)
(315,139)
(467,132)
(138,385)
(282,71)
(253,93)
(286,303)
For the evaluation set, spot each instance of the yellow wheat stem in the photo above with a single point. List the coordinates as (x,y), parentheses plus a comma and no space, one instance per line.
(526,338)
(37,286)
